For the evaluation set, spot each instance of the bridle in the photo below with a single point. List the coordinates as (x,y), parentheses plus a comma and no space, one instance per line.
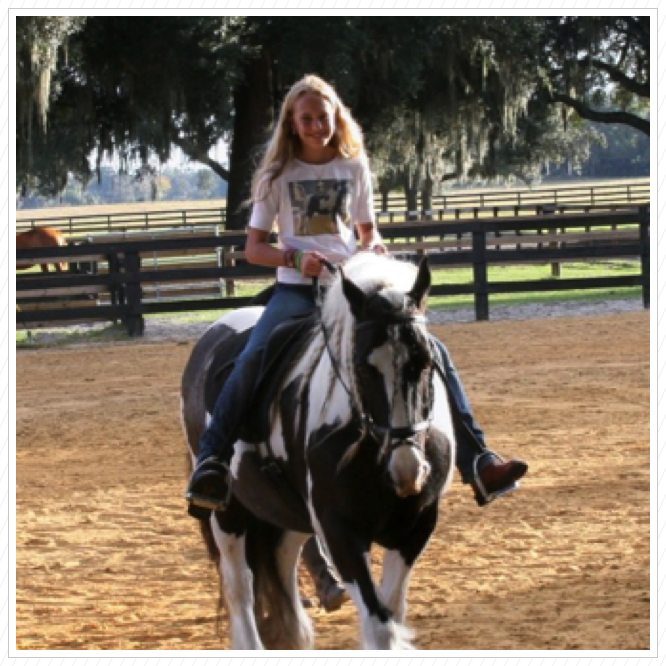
(387,437)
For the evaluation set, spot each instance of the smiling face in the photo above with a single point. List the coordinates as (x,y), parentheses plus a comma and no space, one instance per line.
(313,119)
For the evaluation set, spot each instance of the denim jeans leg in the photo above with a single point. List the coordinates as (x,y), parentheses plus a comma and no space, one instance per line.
(470,438)
(231,404)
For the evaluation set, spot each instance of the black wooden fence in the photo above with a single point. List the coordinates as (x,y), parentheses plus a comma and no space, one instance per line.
(478,244)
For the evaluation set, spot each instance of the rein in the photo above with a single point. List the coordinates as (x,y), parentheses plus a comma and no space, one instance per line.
(382,434)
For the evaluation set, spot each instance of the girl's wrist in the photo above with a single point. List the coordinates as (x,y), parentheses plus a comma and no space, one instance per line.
(289,258)
(298,260)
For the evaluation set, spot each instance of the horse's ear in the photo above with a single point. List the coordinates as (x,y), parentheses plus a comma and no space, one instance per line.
(419,292)
(355,296)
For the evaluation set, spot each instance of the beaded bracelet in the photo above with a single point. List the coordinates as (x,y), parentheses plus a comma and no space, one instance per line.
(298,260)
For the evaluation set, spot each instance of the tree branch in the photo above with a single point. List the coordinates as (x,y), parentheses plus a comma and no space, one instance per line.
(617,75)
(609,117)
(200,155)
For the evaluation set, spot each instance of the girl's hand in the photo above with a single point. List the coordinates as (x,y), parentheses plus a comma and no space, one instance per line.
(378,248)
(311,264)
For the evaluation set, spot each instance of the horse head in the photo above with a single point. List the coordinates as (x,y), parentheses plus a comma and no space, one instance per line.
(392,371)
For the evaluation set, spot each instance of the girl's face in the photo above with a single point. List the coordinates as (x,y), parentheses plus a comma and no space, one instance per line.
(314,122)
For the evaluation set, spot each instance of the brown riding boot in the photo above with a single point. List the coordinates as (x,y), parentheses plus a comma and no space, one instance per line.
(497,477)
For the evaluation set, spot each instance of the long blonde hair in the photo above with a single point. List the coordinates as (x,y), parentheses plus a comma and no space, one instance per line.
(283,145)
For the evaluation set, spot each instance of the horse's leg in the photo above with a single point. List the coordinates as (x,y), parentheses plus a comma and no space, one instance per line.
(237,579)
(380,630)
(395,581)
(297,626)
(400,560)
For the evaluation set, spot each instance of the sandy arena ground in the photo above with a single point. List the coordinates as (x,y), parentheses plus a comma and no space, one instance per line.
(108,559)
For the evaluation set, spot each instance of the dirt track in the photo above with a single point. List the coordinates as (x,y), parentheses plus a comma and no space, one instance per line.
(108,559)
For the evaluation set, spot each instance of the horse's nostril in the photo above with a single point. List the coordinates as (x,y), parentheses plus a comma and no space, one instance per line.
(408,490)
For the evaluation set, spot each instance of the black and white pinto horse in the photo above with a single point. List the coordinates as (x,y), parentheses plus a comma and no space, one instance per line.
(361,433)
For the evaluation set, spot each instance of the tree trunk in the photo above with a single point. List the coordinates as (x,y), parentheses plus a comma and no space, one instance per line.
(384,190)
(411,186)
(253,111)
(426,192)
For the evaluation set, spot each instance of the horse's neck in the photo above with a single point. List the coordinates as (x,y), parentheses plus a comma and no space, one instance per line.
(326,387)
(441,409)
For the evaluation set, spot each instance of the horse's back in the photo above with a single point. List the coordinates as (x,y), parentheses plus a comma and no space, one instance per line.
(218,342)
(40,237)
(37,238)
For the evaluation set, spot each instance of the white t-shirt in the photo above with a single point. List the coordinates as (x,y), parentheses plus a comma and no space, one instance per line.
(315,208)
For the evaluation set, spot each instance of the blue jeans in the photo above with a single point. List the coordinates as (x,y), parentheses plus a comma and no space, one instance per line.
(294,300)
(470,440)
(231,405)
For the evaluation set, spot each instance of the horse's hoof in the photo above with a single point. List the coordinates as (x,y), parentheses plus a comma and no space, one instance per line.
(333,597)
(198,512)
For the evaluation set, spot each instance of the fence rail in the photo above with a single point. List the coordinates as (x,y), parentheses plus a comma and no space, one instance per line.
(633,192)
(456,205)
(479,244)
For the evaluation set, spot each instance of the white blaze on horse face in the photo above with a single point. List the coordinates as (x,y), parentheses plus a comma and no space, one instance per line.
(407,467)
(389,360)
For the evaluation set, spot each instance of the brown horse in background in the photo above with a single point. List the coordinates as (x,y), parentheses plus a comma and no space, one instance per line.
(40,237)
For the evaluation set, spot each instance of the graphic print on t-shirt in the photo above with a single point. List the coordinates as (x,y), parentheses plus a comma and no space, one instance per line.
(318,205)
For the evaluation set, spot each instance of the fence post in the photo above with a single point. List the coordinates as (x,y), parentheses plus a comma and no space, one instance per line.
(229,285)
(555,266)
(135,322)
(480,273)
(117,291)
(645,254)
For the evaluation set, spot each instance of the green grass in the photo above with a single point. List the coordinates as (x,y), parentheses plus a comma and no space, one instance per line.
(117,332)
(541,272)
